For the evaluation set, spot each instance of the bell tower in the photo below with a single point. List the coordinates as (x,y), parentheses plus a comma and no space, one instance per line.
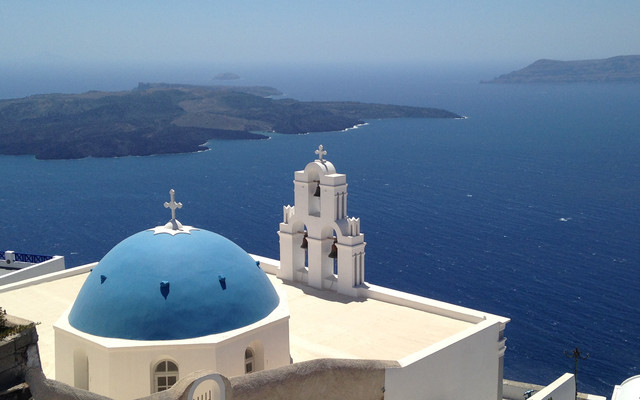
(319,244)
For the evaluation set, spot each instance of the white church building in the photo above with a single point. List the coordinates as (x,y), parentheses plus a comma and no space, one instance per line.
(165,301)
(175,299)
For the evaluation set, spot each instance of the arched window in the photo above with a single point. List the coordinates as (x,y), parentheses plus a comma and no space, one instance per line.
(165,375)
(333,253)
(305,246)
(249,360)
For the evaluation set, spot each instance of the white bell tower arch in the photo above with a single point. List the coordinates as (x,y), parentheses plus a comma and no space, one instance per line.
(315,225)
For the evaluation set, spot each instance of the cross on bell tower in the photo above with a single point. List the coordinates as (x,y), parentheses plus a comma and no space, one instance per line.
(321,152)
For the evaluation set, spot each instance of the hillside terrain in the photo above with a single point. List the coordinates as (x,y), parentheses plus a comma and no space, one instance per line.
(171,118)
(615,69)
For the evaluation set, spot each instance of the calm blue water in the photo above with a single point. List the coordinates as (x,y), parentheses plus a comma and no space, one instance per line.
(527,209)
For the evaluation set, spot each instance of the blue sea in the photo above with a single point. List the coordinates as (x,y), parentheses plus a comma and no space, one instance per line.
(528,208)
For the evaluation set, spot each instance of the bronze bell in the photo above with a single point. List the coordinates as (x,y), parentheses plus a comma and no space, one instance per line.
(317,193)
(305,244)
(334,250)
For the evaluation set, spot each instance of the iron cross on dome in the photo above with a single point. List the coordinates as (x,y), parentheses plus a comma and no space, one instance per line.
(172,204)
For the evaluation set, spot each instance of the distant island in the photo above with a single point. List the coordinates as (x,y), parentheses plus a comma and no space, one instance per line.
(226,76)
(171,118)
(614,69)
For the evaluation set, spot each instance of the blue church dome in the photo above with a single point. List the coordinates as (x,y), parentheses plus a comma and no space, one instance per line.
(162,286)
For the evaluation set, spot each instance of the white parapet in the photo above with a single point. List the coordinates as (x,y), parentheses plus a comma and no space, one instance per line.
(563,388)
(27,270)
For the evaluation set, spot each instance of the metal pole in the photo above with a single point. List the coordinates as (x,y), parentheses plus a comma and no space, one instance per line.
(576,355)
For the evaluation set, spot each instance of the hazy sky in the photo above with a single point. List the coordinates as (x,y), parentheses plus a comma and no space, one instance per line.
(305,31)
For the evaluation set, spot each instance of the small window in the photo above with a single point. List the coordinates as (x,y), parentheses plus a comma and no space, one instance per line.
(248,360)
(165,375)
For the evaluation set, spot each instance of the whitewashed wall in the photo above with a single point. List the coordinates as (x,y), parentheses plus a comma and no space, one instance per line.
(563,388)
(122,369)
(29,270)
(465,366)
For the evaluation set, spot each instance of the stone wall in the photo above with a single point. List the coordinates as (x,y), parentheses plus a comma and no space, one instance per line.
(316,380)
(13,356)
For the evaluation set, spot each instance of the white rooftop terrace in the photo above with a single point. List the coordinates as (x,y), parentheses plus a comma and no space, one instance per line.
(323,324)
